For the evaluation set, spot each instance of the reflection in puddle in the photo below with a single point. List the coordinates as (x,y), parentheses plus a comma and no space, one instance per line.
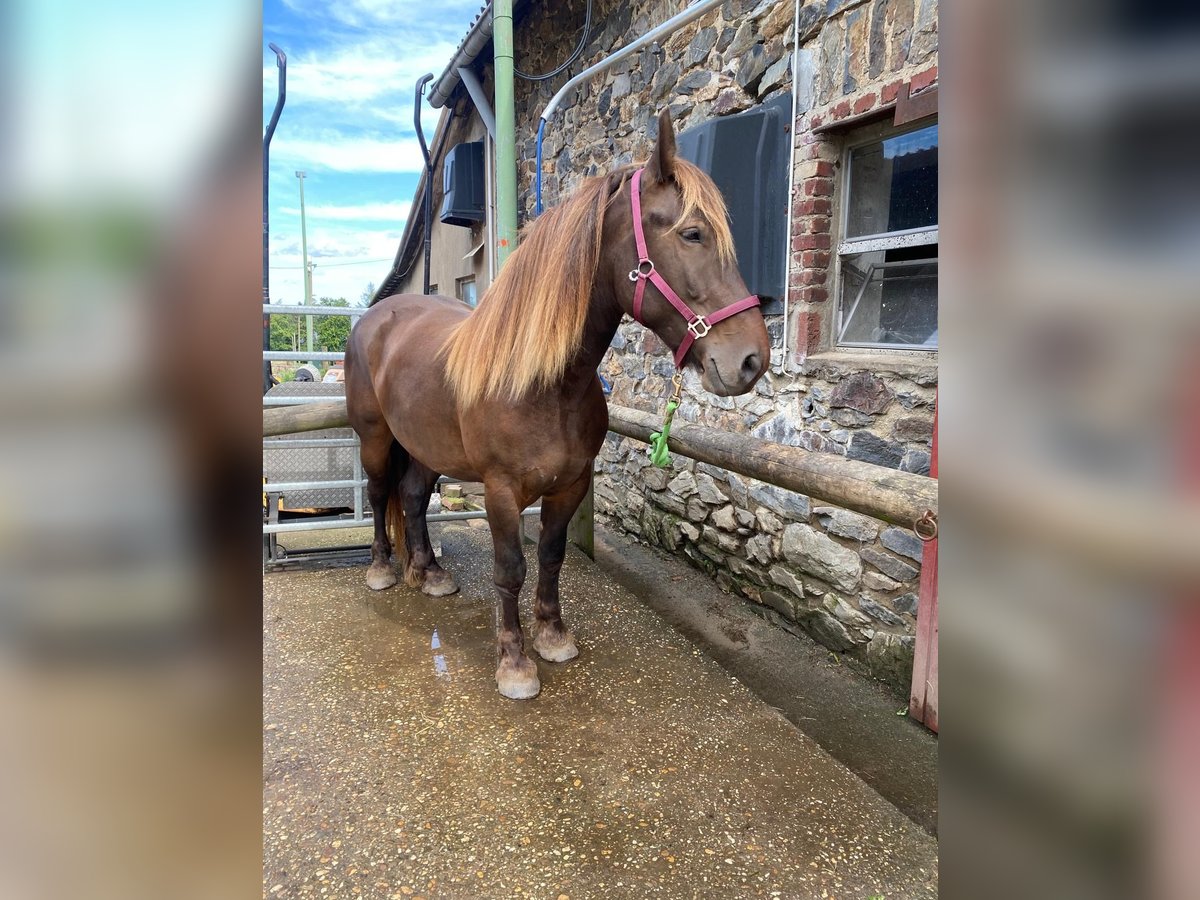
(439,661)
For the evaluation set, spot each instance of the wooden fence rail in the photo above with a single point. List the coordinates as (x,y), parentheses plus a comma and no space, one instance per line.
(896,497)
(307,417)
(888,494)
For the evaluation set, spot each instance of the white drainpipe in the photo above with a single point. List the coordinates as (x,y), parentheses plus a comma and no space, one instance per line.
(670,26)
(791,194)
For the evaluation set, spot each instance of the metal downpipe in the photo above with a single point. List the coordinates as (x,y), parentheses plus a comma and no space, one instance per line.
(428,199)
(506,132)
(281,98)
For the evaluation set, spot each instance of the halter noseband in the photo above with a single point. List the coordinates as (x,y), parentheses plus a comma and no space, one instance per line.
(697,326)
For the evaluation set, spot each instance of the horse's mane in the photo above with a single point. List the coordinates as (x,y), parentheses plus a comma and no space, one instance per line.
(529,323)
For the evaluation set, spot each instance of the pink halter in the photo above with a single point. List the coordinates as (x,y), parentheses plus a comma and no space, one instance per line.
(697,326)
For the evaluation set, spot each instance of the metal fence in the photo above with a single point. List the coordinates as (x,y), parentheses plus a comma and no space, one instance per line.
(322,471)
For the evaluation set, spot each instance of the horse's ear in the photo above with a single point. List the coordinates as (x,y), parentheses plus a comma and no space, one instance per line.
(661,165)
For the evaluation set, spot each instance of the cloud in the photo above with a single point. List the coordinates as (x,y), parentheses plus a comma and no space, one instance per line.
(354,74)
(335,244)
(388,212)
(373,13)
(347,153)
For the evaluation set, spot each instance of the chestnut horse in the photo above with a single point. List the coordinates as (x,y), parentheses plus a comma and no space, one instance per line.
(508,395)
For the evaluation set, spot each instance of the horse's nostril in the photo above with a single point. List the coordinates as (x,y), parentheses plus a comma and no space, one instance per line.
(751,365)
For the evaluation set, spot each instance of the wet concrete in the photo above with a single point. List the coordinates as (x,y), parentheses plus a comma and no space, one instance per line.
(851,716)
(392,768)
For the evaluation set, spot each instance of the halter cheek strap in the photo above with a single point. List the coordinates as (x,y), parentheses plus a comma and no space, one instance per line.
(697,325)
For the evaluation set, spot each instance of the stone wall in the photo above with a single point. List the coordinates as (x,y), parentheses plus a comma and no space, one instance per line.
(847,580)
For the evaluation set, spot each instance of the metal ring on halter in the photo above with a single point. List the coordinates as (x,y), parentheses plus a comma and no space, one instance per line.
(696,324)
(635,274)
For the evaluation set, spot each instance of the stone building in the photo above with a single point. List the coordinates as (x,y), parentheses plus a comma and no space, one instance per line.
(854,362)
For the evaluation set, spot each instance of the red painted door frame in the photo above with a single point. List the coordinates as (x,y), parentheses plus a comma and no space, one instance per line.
(923,697)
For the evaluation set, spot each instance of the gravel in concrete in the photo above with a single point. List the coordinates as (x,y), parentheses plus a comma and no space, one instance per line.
(851,716)
(392,768)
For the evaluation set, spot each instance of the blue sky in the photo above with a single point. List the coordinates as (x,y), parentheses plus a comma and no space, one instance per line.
(348,124)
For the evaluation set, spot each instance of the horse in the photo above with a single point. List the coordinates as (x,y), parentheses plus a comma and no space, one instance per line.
(508,394)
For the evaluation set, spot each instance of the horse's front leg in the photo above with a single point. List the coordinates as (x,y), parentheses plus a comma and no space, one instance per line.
(516,673)
(554,643)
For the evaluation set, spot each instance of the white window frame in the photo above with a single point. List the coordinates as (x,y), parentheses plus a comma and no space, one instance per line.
(458,288)
(888,240)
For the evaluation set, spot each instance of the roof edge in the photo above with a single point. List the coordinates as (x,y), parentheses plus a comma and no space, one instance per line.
(478,38)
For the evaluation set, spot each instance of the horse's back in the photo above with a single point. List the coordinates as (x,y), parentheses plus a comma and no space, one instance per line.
(394,370)
(403,318)
(404,329)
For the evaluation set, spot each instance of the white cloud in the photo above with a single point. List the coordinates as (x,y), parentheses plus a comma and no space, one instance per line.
(334,244)
(356,74)
(390,212)
(368,13)
(346,153)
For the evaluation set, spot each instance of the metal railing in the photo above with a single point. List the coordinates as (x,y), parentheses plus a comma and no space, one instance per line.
(273,491)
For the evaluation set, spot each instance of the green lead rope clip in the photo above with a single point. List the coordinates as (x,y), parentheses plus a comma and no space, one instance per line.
(659,454)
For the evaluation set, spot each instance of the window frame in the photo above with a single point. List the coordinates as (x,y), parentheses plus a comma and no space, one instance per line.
(868,243)
(458,286)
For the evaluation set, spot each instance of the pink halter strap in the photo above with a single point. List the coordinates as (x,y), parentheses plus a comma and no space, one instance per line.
(698,326)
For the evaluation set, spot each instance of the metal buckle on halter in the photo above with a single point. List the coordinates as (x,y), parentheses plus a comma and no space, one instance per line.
(696,324)
(636,273)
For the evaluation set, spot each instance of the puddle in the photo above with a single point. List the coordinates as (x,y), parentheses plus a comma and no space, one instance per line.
(439,661)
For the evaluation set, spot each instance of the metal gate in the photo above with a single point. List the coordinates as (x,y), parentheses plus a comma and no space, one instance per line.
(328,491)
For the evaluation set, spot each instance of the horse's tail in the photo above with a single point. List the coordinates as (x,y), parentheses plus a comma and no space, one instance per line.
(397,465)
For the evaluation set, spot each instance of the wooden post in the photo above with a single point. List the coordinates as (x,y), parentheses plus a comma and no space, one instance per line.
(582,530)
(923,695)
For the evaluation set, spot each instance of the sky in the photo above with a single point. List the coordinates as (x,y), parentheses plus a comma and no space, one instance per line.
(348,124)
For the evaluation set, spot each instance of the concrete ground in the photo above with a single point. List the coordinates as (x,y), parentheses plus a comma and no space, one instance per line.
(848,714)
(392,768)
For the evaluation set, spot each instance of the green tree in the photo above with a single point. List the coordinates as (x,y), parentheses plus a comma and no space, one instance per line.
(331,332)
(286,332)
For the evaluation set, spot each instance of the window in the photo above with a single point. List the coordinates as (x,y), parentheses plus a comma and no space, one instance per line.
(888,255)
(433,289)
(465,290)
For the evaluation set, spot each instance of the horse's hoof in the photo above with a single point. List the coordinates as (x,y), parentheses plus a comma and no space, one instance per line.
(438,583)
(518,680)
(555,644)
(380,576)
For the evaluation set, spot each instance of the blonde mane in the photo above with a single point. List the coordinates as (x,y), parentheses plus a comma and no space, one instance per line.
(529,323)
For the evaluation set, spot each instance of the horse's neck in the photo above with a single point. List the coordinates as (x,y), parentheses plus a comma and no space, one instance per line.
(604,315)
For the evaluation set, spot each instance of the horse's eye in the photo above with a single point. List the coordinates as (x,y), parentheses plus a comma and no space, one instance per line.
(692,235)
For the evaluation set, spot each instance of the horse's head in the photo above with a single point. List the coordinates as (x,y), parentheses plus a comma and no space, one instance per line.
(688,247)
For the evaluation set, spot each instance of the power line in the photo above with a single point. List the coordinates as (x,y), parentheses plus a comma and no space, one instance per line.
(359,262)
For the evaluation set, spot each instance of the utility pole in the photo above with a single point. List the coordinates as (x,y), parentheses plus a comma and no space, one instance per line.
(307,265)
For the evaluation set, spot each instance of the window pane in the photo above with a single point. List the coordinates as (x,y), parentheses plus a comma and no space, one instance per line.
(893,184)
(889,297)
(466,291)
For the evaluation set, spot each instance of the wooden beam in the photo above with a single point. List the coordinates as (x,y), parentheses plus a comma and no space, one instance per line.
(877,491)
(279,420)
(887,494)
(582,530)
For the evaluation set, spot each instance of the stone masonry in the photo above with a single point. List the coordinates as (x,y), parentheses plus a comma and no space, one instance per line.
(847,580)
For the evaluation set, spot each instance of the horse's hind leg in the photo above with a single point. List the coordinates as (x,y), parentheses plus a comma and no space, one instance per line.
(554,643)
(382,459)
(422,569)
